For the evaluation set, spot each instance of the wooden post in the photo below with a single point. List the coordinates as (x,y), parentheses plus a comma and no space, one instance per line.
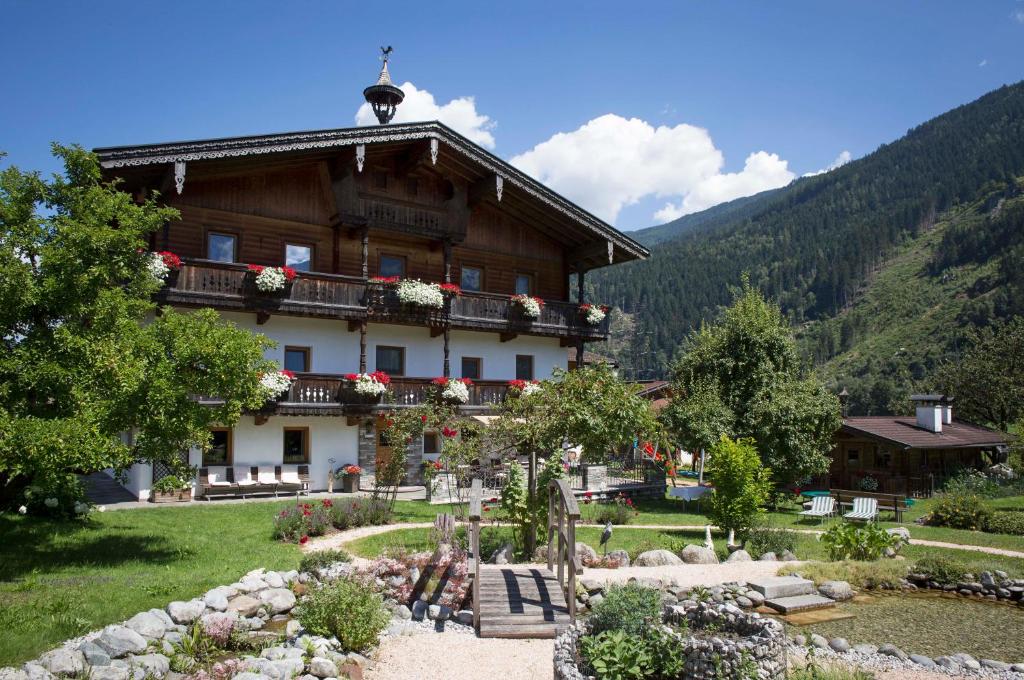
(579,298)
(551,528)
(366,253)
(531,486)
(446,249)
(447,363)
(362,346)
(336,249)
(561,542)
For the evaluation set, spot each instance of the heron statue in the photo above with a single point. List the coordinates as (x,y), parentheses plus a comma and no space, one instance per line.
(606,536)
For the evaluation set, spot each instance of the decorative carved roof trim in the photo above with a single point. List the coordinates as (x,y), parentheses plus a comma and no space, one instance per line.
(234,147)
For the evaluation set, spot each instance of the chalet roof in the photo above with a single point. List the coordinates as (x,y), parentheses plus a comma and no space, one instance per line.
(141,155)
(905,432)
(590,358)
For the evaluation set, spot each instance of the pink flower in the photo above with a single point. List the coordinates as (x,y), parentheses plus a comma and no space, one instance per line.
(304,540)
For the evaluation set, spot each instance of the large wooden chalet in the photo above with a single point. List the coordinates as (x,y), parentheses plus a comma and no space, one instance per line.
(346,206)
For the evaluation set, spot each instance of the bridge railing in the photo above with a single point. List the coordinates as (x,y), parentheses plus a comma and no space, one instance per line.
(475,504)
(563,513)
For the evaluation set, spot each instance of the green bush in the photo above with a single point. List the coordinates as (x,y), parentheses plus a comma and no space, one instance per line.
(848,541)
(816,672)
(1006,522)
(297,523)
(940,569)
(348,610)
(742,484)
(171,483)
(62,495)
(322,558)
(357,512)
(629,608)
(615,655)
(765,538)
(960,511)
(619,511)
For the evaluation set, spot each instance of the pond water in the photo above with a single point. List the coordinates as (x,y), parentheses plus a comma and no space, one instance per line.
(929,623)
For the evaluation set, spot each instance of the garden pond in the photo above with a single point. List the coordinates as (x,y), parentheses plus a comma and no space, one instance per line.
(933,624)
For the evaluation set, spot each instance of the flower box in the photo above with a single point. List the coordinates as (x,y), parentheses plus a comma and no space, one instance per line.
(177,496)
(269,281)
(365,388)
(526,308)
(350,483)
(453,391)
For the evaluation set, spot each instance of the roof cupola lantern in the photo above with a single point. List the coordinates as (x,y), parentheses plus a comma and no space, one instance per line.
(384,97)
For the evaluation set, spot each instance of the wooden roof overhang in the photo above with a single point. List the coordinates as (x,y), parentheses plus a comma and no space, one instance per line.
(934,442)
(590,242)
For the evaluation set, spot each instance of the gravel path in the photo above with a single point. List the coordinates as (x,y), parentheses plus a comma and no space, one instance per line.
(442,656)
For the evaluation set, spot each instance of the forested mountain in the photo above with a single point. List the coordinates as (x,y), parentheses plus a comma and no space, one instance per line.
(817,244)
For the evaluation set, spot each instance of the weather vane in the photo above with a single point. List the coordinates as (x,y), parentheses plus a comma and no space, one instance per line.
(385,53)
(384,97)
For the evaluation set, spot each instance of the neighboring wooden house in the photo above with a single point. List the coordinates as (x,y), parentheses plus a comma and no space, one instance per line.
(911,455)
(346,206)
(591,358)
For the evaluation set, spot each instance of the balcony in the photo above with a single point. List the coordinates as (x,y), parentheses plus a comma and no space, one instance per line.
(329,394)
(205,283)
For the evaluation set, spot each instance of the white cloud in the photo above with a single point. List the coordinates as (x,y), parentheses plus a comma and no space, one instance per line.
(1017,15)
(983,63)
(843,158)
(611,162)
(459,114)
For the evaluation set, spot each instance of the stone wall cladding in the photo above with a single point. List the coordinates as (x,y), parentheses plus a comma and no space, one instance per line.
(760,642)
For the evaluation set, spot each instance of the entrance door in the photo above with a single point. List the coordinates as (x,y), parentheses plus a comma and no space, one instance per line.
(383,454)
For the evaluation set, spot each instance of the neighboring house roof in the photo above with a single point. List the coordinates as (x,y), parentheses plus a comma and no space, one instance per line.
(590,358)
(320,140)
(905,432)
(653,388)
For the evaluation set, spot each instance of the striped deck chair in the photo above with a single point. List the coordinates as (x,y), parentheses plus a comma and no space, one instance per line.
(821,506)
(863,508)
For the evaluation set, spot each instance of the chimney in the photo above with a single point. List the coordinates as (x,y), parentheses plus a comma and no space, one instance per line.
(932,411)
(947,411)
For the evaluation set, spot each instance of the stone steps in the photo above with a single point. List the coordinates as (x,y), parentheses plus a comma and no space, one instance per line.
(776,587)
(799,603)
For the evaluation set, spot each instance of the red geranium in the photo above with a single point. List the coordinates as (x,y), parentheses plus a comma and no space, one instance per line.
(437,464)
(256,268)
(304,540)
(440,382)
(288,272)
(327,502)
(170,259)
(288,374)
(384,279)
(450,288)
(448,432)
(352,377)
(381,377)
(466,381)
(423,418)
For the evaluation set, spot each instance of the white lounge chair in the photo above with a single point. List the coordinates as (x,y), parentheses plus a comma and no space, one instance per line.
(821,506)
(243,478)
(863,509)
(267,479)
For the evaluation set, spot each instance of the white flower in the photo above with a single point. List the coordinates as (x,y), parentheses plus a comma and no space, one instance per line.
(593,315)
(369,386)
(81,508)
(51,502)
(456,391)
(530,306)
(101,508)
(414,292)
(157,267)
(271,279)
(23,510)
(530,388)
(275,383)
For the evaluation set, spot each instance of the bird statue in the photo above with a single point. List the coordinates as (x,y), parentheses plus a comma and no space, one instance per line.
(606,536)
(708,543)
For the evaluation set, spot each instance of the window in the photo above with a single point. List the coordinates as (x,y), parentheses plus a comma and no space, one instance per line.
(391,360)
(221,247)
(472,279)
(219,452)
(431,443)
(472,368)
(391,265)
(296,445)
(524,284)
(852,456)
(299,258)
(524,367)
(296,359)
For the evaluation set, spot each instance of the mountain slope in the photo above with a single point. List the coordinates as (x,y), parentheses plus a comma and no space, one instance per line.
(738,208)
(813,244)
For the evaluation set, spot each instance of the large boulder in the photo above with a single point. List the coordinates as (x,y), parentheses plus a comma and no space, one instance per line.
(94,654)
(698,554)
(186,612)
(244,605)
(147,624)
(120,641)
(280,600)
(108,673)
(11,673)
(586,554)
(657,558)
(836,590)
(63,661)
(154,665)
(620,556)
(739,556)
(323,668)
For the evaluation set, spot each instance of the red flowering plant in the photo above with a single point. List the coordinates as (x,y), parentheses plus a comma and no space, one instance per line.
(271,279)
(528,306)
(302,520)
(385,280)
(352,470)
(518,387)
(593,314)
(452,390)
(170,259)
(619,511)
(452,289)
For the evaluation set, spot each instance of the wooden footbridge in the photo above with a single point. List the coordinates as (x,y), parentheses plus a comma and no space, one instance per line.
(527,601)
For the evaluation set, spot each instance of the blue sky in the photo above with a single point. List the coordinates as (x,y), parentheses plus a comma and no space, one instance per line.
(661,104)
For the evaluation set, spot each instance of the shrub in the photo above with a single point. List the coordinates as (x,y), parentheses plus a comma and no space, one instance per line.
(615,655)
(870,575)
(1006,522)
(628,608)
(848,541)
(972,482)
(298,522)
(321,559)
(959,511)
(60,496)
(171,483)
(940,569)
(619,511)
(832,672)
(742,484)
(358,512)
(766,538)
(348,610)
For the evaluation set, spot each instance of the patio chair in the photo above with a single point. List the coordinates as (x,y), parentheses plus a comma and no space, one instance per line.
(821,507)
(244,481)
(216,482)
(863,509)
(290,479)
(266,479)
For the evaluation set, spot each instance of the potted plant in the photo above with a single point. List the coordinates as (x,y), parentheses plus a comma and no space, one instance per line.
(171,489)
(527,307)
(164,266)
(276,384)
(271,280)
(593,314)
(366,388)
(453,391)
(350,478)
(415,293)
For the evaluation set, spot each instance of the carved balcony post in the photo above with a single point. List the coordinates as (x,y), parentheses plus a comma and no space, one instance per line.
(366,252)
(362,346)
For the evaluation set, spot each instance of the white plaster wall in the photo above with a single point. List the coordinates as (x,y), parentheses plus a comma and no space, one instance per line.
(424,355)
(334,349)
(329,437)
(137,479)
(499,358)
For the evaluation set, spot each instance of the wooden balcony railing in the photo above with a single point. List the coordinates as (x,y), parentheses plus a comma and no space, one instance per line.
(312,389)
(230,286)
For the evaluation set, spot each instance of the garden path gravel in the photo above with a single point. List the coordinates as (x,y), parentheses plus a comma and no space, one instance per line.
(442,656)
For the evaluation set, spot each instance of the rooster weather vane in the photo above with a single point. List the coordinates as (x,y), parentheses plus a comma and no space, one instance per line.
(383,97)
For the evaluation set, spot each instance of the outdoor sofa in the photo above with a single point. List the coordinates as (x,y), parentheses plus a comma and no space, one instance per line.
(242,481)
